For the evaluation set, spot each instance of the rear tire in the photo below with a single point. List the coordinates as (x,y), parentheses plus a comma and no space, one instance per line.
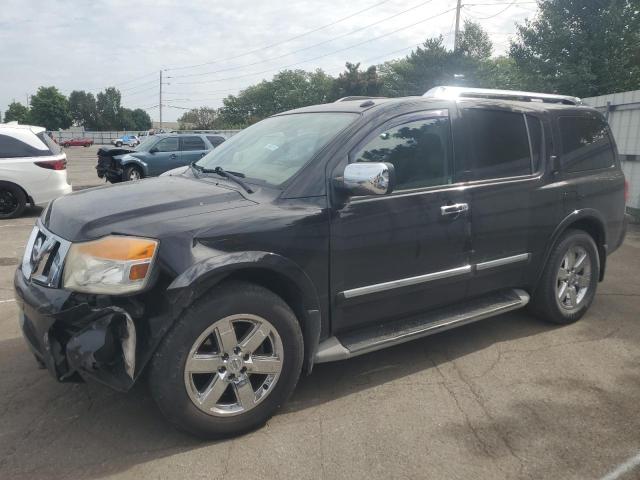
(569,281)
(12,200)
(212,404)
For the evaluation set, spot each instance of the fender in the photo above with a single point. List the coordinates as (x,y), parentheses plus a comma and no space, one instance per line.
(131,160)
(204,275)
(575,216)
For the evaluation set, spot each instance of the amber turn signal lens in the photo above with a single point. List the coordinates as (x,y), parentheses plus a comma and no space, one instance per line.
(139,271)
(119,248)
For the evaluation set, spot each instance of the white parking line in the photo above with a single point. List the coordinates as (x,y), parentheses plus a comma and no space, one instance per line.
(623,468)
(7,301)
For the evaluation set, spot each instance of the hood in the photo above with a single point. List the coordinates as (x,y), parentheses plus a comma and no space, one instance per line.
(127,207)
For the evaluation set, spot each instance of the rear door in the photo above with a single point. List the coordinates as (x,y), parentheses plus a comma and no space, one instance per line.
(510,212)
(398,255)
(192,148)
(166,156)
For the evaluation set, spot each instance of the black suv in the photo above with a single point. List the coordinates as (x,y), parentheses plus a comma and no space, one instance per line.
(317,235)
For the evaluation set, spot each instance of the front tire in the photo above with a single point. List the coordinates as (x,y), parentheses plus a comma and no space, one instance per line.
(229,362)
(118,144)
(570,279)
(132,173)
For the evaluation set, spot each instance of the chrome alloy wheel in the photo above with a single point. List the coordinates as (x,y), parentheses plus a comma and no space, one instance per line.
(233,365)
(134,175)
(574,278)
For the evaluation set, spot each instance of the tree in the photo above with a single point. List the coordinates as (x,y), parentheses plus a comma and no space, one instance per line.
(84,112)
(16,112)
(287,90)
(50,109)
(108,109)
(141,119)
(580,48)
(474,42)
(353,82)
(203,118)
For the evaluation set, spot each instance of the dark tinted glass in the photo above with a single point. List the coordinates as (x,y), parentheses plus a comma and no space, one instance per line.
(193,143)
(585,143)
(499,144)
(48,141)
(419,151)
(13,148)
(167,145)
(215,141)
(535,133)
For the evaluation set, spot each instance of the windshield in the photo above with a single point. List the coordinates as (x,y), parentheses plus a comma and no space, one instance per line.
(146,144)
(274,149)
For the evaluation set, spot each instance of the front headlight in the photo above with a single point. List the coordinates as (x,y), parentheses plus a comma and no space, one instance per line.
(112,265)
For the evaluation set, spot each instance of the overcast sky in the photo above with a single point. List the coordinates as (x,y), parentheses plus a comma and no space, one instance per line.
(224,46)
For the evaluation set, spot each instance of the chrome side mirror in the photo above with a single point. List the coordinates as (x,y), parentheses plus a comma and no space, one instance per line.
(363,178)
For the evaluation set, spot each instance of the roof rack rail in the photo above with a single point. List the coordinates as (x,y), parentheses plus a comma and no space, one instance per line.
(355,97)
(465,92)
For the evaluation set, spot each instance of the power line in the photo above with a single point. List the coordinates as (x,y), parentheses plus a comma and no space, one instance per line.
(282,41)
(319,56)
(499,13)
(264,60)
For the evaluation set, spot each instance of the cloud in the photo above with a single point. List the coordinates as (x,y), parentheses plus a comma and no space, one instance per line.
(92,45)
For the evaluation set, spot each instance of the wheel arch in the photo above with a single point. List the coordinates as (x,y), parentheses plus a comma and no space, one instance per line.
(135,163)
(588,220)
(274,272)
(24,190)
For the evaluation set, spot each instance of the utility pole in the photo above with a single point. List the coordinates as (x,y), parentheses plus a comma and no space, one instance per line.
(457,34)
(160,104)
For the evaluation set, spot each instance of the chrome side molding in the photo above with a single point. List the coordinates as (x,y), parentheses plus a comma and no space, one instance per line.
(428,277)
(523,257)
(404,282)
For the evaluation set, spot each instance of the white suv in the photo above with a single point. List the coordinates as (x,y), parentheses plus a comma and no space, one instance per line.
(33,169)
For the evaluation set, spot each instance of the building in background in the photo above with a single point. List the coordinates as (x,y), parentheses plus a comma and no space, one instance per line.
(623,113)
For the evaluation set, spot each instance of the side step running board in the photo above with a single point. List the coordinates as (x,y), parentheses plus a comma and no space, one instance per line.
(380,336)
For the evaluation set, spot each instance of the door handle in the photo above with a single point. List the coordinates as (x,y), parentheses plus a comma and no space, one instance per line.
(173,155)
(455,209)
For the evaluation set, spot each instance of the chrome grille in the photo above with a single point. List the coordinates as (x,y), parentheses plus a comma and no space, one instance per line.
(44,257)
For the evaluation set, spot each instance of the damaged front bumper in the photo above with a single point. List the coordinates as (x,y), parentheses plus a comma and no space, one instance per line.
(76,338)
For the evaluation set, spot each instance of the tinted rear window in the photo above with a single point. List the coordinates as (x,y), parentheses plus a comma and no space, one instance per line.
(499,144)
(11,147)
(193,143)
(48,141)
(585,143)
(215,141)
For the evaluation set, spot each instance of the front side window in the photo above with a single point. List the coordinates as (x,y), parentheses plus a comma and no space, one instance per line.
(167,145)
(585,143)
(192,143)
(420,152)
(499,144)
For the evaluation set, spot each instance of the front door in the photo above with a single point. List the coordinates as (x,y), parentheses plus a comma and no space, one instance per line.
(166,156)
(400,254)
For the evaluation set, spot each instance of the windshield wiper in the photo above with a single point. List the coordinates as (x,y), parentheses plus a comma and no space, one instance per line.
(235,176)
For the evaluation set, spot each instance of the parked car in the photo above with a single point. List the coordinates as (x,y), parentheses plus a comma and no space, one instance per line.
(77,142)
(131,140)
(33,169)
(321,234)
(156,155)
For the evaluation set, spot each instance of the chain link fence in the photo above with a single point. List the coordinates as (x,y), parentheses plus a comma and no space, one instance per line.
(105,138)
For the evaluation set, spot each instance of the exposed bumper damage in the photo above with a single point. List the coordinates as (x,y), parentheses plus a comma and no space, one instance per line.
(77,338)
(109,167)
